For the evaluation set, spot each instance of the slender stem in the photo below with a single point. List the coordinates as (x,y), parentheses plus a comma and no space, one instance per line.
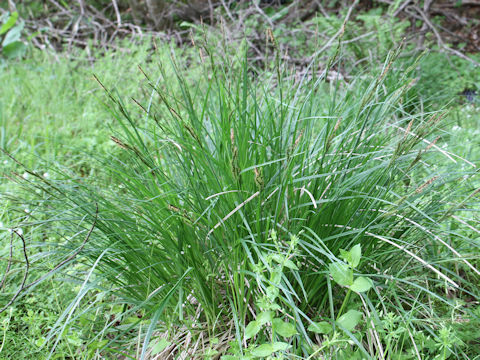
(345,302)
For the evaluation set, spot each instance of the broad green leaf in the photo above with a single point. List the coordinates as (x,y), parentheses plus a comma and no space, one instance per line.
(160,346)
(97,345)
(355,255)
(346,256)
(290,264)
(272,293)
(283,328)
(285,262)
(341,273)
(350,319)
(280,346)
(252,329)
(263,350)
(264,317)
(278,258)
(9,23)
(361,284)
(275,307)
(276,276)
(13,35)
(321,327)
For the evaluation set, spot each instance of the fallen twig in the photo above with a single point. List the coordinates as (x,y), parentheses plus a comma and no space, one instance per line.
(27,263)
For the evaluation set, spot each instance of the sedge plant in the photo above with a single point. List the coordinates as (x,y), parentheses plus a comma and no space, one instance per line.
(215,165)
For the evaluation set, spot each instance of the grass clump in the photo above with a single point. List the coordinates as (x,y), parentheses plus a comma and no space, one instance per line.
(305,215)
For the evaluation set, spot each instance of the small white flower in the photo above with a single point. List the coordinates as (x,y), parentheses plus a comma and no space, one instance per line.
(46,175)
(5,162)
(27,211)
(25,175)
(182,252)
(456,128)
(1,224)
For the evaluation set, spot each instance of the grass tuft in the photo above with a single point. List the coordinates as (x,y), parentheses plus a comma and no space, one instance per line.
(233,195)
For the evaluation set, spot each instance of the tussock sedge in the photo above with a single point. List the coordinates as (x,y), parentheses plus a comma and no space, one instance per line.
(222,174)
